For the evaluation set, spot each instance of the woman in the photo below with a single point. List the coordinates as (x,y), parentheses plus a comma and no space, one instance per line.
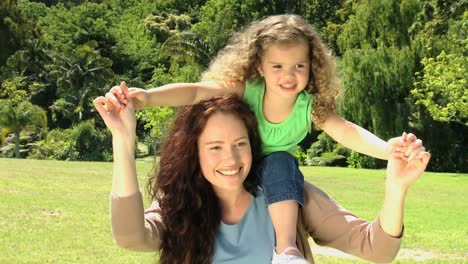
(209,206)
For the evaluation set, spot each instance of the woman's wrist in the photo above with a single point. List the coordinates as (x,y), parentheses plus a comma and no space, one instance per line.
(394,188)
(124,140)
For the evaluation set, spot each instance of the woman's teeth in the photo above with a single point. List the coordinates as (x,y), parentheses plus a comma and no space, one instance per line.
(229,172)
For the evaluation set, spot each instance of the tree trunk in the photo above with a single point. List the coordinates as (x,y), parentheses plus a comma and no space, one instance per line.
(17,144)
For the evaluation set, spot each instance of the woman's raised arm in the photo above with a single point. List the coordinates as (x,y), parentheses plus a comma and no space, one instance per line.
(329,224)
(132,227)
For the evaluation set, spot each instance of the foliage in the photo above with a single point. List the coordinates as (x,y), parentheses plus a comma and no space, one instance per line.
(359,161)
(443,88)
(16,27)
(86,24)
(157,122)
(79,79)
(325,152)
(378,24)
(301,156)
(164,27)
(15,90)
(81,142)
(188,46)
(323,144)
(377,83)
(59,55)
(441,84)
(19,117)
(377,65)
(57,145)
(3,134)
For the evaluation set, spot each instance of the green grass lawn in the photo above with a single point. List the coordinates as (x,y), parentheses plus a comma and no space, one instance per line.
(58,212)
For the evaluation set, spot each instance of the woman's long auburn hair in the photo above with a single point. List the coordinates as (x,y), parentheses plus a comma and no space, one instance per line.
(189,207)
(240,58)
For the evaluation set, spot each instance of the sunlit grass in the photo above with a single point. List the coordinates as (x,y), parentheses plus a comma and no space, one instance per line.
(58,212)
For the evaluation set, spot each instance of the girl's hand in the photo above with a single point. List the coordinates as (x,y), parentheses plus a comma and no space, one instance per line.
(122,95)
(405,170)
(119,120)
(402,146)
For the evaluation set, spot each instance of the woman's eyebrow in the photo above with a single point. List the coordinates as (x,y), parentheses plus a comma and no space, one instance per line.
(214,142)
(221,141)
(241,138)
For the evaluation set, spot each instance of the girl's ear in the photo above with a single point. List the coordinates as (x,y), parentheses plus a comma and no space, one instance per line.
(259,69)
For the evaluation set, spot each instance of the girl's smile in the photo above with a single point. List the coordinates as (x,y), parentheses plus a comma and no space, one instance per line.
(286,68)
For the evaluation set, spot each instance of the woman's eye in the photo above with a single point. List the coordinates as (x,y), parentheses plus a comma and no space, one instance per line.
(215,148)
(241,144)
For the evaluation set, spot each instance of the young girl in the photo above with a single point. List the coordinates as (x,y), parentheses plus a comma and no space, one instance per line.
(286,74)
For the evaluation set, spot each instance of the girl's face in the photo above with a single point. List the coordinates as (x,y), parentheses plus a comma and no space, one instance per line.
(286,68)
(224,152)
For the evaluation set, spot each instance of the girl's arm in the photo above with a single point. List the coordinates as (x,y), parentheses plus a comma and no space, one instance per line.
(175,94)
(359,139)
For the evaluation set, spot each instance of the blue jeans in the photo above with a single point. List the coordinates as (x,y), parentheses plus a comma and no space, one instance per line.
(281,178)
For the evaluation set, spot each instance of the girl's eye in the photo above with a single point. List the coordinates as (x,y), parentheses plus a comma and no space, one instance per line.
(277,66)
(299,66)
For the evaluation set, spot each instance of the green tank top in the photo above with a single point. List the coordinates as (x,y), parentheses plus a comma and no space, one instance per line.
(282,136)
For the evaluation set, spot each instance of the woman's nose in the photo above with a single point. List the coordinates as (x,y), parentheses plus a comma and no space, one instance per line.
(230,155)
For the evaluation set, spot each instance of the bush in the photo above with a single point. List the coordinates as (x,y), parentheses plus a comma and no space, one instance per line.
(301,156)
(81,142)
(357,160)
(315,161)
(316,149)
(341,150)
(3,135)
(56,146)
(90,143)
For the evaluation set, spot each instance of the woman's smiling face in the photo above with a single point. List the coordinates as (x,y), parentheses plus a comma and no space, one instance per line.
(224,152)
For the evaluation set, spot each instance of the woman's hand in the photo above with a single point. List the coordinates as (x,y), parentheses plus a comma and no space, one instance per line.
(407,161)
(122,95)
(120,120)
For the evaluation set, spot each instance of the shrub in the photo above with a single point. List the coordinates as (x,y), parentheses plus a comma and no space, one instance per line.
(81,142)
(301,156)
(357,160)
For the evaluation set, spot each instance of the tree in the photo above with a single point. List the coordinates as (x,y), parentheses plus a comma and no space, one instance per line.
(78,79)
(443,88)
(157,122)
(377,65)
(15,27)
(378,24)
(17,118)
(439,39)
(189,47)
(377,83)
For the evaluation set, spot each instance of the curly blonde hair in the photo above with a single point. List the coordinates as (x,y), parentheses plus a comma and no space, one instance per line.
(240,58)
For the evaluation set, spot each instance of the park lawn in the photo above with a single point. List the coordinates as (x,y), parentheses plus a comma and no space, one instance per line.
(58,212)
